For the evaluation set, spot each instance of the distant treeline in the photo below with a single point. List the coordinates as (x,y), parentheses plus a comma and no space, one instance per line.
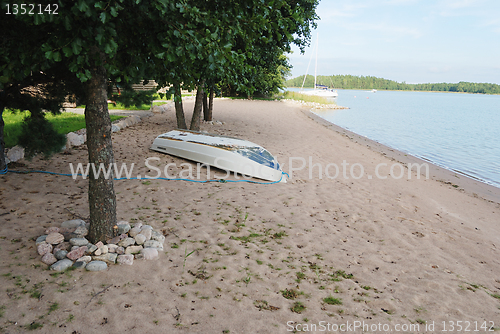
(360,82)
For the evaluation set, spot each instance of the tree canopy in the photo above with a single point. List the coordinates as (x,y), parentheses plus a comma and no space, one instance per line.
(87,44)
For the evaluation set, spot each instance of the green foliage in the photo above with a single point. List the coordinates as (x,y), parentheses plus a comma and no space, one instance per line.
(361,82)
(39,136)
(131,98)
(332,300)
(62,123)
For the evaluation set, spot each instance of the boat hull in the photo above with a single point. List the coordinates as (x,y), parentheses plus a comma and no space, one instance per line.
(230,154)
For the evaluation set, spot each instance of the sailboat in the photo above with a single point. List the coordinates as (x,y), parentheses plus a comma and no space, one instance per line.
(319,90)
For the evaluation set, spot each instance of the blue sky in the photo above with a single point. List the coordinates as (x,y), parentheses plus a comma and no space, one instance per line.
(416,41)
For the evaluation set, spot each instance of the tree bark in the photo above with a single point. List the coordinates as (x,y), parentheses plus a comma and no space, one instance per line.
(205,106)
(179,110)
(102,197)
(195,121)
(3,165)
(210,103)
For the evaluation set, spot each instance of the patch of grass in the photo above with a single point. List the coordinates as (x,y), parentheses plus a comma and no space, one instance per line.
(332,300)
(339,274)
(2,310)
(63,123)
(298,307)
(289,294)
(300,276)
(53,307)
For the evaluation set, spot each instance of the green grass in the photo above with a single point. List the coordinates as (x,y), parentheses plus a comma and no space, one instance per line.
(332,300)
(63,123)
(306,98)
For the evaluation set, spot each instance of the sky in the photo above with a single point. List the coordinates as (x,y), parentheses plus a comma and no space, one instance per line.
(416,41)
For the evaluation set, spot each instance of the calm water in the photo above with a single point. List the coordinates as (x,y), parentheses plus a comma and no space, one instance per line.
(457,131)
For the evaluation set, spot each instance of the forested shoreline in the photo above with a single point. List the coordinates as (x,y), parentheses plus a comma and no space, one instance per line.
(369,82)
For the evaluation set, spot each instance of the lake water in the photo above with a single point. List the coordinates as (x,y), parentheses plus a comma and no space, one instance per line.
(460,132)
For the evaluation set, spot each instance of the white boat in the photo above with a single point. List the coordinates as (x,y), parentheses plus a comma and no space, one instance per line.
(230,154)
(319,90)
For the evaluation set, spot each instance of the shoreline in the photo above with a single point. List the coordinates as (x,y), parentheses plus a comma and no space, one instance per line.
(461,182)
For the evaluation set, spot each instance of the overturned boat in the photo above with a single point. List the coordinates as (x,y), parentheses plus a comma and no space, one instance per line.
(230,154)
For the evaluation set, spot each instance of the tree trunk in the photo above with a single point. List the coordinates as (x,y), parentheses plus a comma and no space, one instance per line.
(205,106)
(195,121)
(179,111)
(102,197)
(3,165)
(210,103)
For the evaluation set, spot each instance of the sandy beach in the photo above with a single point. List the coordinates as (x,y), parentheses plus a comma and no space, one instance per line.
(404,254)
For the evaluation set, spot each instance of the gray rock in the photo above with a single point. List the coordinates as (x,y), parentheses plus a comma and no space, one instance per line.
(74,139)
(49,259)
(78,241)
(61,254)
(127,242)
(149,253)
(133,249)
(91,248)
(81,231)
(112,248)
(96,266)
(108,258)
(134,231)
(114,128)
(140,239)
(146,232)
(40,239)
(101,250)
(123,227)
(85,259)
(44,248)
(153,244)
(79,264)
(146,227)
(120,250)
(155,235)
(70,224)
(127,259)
(61,265)
(16,153)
